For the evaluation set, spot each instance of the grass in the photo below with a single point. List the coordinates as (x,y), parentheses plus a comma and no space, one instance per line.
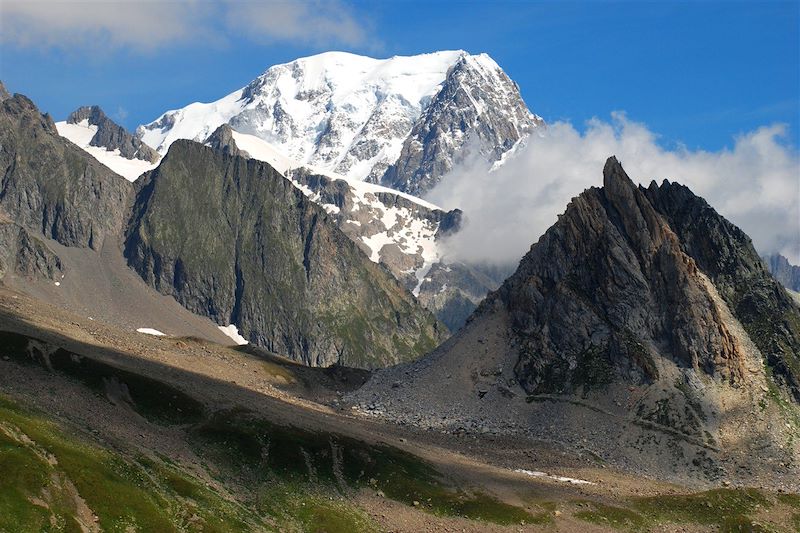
(792,500)
(615,517)
(729,510)
(270,454)
(153,399)
(110,487)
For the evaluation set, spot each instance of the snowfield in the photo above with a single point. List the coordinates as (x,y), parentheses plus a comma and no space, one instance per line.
(341,112)
(81,135)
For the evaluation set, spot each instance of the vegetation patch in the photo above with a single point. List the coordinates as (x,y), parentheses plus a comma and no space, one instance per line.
(270,454)
(153,399)
(610,516)
(727,508)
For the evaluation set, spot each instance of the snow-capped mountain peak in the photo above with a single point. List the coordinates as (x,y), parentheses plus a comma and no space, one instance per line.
(338,111)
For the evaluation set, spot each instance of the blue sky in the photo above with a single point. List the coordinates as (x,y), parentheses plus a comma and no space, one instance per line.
(696,73)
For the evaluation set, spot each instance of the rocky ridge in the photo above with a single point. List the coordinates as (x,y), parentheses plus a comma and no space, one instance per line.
(478,110)
(50,186)
(392,228)
(783,271)
(277,266)
(112,136)
(642,327)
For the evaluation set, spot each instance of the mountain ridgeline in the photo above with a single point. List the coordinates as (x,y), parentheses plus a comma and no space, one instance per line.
(112,136)
(402,122)
(229,238)
(232,239)
(51,187)
(638,273)
(641,318)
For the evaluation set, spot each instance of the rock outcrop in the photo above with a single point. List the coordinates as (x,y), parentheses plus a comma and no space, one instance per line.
(111,135)
(232,239)
(783,271)
(478,109)
(642,327)
(50,186)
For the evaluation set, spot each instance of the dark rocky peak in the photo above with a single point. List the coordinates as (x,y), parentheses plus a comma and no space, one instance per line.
(783,271)
(222,139)
(231,239)
(726,255)
(628,207)
(111,135)
(52,187)
(22,108)
(630,275)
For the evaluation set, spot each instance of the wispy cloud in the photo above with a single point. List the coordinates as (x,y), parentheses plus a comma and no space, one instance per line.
(313,22)
(145,26)
(756,185)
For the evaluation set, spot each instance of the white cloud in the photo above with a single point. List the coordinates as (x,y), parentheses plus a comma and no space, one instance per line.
(100,26)
(756,185)
(308,22)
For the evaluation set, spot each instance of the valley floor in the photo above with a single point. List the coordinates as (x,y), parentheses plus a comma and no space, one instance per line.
(104,429)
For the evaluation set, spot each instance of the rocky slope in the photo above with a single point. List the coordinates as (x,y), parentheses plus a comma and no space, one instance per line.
(642,327)
(261,255)
(276,265)
(112,136)
(50,186)
(392,228)
(477,109)
(783,271)
(365,118)
(103,139)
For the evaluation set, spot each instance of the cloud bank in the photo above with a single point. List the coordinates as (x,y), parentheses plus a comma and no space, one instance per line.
(756,185)
(146,26)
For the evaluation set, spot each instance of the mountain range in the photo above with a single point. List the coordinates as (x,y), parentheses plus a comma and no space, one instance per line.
(642,327)
(241,318)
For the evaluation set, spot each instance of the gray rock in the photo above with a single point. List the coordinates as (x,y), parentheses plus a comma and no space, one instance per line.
(51,186)
(783,271)
(478,110)
(3,92)
(261,255)
(112,136)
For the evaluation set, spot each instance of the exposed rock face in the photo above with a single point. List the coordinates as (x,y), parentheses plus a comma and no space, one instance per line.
(394,229)
(783,271)
(261,255)
(726,255)
(112,136)
(50,186)
(26,255)
(642,326)
(222,140)
(454,290)
(478,107)
(606,290)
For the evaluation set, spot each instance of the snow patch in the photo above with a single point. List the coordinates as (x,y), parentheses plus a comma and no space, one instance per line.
(150,331)
(562,479)
(233,332)
(81,135)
